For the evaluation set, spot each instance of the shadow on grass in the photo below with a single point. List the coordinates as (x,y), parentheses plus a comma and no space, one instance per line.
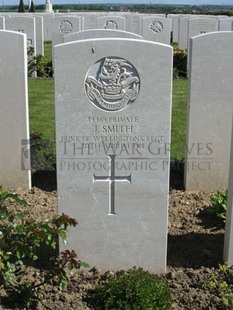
(195,250)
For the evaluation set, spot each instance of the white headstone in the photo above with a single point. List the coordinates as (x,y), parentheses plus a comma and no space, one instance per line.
(209,112)
(2,22)
(228,238)
(64,25)
(111,22)
(23,24)
(14,121)
(47,21)
(39,35)
(183,33)
(156,29)
(198,26)
(112,128)
(224,24)
(100,33)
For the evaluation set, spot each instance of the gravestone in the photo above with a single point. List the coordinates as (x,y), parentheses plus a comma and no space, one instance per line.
(47,21)
(39,34)
(183,32)
(228,238)
(209,111)
(99,33)
(198,26)
(112,131)
(156,29)
(14,124)
(224,24)
(64,25)
(2,22)
(25,25)
(113,22)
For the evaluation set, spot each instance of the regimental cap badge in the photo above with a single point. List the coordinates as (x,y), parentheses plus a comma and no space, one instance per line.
(112,84)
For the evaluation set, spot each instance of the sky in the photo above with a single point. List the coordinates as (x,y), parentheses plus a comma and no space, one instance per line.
(190,2)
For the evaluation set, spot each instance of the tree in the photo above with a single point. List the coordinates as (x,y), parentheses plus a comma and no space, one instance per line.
(21,8)
(32,7)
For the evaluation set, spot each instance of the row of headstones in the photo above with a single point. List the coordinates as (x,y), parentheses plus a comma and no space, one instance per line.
(31,26)
(113,124)
(156,28)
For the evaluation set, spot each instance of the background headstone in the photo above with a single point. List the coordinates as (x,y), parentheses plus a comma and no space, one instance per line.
(111,22)
(209,111)
(157,29)
(99,33)
(23,24)
(14,120)
(113,118)
(228,238)
(64,25)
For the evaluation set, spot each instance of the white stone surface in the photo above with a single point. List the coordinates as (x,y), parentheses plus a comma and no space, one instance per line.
(209,111)
(198,26)
(228,238)
(47,21)
(111,100)
(64,25)
(23,24)
(183,32)
(39,34)
(225,24)
(157,29)
(111,22)
(14,121)
(2,22)
(100,33)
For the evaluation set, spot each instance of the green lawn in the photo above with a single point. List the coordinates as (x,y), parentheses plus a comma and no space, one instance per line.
(41,107)
(179,111)
(42,115)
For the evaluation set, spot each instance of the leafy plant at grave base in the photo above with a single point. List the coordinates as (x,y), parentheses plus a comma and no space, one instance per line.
(21,240)
(219,204)
(221,282)
(39,63)
(134,289)
(179,63)
(43,155)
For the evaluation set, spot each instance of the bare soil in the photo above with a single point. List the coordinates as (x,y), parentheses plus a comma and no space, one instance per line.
(195,246)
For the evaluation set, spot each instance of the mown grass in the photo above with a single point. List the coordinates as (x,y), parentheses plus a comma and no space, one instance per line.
(42,112)
(179,111)
(41,107)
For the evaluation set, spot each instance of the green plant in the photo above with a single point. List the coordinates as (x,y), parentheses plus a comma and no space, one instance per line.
(134,289)
(179,63)
(42,152)
(39,63)
(219,204)
(221,282)
(21,241)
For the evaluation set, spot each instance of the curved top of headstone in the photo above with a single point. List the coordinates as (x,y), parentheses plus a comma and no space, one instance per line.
(100,33)
(215,34)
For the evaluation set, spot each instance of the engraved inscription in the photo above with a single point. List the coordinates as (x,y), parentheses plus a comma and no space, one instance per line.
(21,30)
(112,84)
(156,26)
(66,26)
(202,32)
(111,24)
(112,178)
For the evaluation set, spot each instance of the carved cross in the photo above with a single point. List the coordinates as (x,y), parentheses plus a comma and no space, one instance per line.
(112,178)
